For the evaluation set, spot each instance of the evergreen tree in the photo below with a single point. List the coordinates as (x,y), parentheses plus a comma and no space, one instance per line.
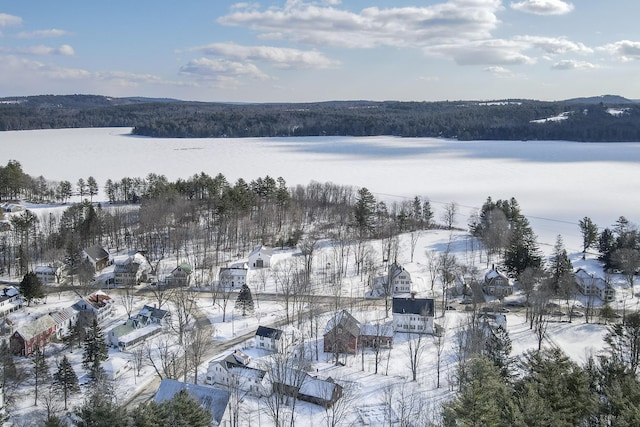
(619,392)
(95,350)
(245,300)
(427,213)
(365,211)
(65,380)
(561,279)
(589,234)
(498,350)
(181,411)
(554,391)
(40,371)
(484,399)
(623,340)
(8,370)
(523,250)
(31,287)
(606,246)
(99,410)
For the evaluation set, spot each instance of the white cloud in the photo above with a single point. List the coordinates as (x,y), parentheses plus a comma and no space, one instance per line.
(42,34)
(314,24)
(26,70)
(279,56)
(41,50)
(626,50)
(497,70)
(554,45)
(485,52)
(221,69)
(570,64)
(9,20)
(543,7)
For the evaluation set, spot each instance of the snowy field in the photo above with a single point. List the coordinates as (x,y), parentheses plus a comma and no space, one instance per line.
(556,182)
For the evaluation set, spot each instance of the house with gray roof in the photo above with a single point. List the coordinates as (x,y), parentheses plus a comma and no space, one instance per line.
(270,339)
(341,334)
(98,257)
(234,371)
(214,399)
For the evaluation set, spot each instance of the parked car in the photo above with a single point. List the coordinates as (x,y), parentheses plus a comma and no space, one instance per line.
(576,313)
(449,307)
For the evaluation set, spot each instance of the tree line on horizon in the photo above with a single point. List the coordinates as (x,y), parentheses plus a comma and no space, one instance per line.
(462,120)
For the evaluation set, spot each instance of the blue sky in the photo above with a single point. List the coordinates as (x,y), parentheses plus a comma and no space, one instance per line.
(318,50)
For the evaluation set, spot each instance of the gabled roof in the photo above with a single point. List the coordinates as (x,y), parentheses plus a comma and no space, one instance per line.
(154,313)
(184,267)
(368,329)
(395,270)
(320,389)
(96,300)
(421,306)
(346,321)
(96,253)
(64,315)
(211,398)
(585,278)
(267,332)
(36,327)
(493,274)
(265,251)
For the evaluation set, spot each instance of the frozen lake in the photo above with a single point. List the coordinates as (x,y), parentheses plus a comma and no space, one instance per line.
(555,182)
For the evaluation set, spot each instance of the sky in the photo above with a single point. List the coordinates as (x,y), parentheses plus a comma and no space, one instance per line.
(320,50)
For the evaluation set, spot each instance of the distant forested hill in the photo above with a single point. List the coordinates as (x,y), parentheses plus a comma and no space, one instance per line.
(606,118)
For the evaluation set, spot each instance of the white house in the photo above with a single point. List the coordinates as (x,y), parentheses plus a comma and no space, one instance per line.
(232,277)
(399,279)
(413,315)
(260,257)
(590,285)
(65,319)
(234,371)
(48,273)
(130,271)
(98,305)
(114,367)
(10,300)
(270,339)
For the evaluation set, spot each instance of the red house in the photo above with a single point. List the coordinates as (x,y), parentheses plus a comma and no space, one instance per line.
(341,334)
(36,334)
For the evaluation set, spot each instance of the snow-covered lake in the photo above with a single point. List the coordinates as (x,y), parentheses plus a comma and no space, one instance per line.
(555,182)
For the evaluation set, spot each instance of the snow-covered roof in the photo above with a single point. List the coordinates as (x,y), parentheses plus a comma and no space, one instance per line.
(35,328)
(583,277)
(211,398)
(137,333)
(376,330)
(261,249)
(247,372)
(314,387)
